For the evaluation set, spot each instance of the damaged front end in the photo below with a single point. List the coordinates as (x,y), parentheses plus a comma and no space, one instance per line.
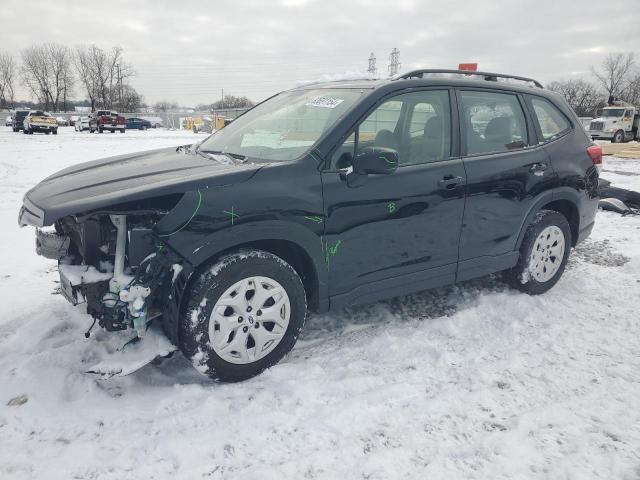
(116,263)
(120,228)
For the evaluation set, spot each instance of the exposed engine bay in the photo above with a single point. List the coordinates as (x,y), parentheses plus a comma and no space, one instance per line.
(115,263)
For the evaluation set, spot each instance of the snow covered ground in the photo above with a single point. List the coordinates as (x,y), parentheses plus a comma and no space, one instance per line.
(474,381)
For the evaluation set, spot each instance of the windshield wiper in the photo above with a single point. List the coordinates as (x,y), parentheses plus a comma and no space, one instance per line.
(237,156)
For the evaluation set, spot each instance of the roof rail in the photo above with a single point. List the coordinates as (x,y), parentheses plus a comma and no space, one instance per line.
(488,76)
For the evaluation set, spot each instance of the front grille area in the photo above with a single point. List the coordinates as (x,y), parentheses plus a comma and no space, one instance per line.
(596,126)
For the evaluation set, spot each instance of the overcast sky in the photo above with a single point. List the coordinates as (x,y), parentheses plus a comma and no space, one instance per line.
(188,51)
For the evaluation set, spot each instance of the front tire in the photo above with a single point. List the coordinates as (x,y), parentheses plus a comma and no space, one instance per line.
(543,254)
(618,137)
(243,314)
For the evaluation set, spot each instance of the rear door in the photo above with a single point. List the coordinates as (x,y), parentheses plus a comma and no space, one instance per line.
(506,171)
(396,233)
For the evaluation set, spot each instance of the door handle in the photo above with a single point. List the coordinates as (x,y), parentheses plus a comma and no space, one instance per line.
(450,182)
(538,167)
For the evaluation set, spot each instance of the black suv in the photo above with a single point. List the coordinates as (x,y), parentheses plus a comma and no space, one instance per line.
(17,120)
(322,197)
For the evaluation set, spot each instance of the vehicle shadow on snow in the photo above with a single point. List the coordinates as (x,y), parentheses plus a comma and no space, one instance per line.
(421,306)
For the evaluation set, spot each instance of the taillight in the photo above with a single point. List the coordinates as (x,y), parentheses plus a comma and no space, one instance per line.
(595,153)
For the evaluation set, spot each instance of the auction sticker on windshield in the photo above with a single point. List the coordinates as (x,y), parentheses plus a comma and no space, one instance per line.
(325,102)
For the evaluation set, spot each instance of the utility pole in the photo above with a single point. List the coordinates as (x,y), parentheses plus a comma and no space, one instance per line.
(394,62)
(119,84)
(372,64)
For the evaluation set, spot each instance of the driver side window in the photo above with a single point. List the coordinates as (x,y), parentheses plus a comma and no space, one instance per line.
(417,125)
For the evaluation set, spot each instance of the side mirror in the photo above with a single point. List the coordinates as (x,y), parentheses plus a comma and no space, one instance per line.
(376,161)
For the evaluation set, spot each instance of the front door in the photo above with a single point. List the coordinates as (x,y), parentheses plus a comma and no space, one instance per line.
(397,232)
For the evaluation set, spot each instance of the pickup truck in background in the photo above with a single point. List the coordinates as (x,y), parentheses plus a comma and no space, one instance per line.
(102,120)
(39,121)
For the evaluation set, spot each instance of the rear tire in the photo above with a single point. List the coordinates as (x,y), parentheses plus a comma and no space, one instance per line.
(55,132)
(226,328)
(543,254)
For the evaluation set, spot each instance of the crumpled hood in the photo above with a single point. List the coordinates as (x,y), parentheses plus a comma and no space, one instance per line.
(101,184)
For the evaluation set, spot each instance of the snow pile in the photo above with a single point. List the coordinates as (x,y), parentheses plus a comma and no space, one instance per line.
(338,77)
(474,381)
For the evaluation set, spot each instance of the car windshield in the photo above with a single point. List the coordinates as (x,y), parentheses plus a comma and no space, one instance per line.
(612,112)
(284,127)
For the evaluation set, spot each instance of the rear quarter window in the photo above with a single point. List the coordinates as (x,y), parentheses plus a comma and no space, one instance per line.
(551,121)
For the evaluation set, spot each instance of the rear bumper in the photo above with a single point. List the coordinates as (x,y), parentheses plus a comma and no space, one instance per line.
(585,232)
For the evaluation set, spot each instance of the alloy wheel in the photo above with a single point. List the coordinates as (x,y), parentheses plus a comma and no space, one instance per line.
(547,254)
(249,320)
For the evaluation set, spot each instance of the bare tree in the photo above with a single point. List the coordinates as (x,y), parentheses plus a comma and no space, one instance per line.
(581,95)
(230,101)
(130,100)
(103,74)
(631,94)
(8,72)
(165,106)
(614,73)
(46,71)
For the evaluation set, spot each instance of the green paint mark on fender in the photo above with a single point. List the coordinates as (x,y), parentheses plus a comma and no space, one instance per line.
(314,218)
(232,214)
(391,206)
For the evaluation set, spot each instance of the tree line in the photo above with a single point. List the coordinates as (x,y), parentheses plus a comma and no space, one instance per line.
(51,73)
(616,78)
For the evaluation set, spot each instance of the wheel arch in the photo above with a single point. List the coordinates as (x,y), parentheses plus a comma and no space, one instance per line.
(294,243)
(292,253)
(562,200)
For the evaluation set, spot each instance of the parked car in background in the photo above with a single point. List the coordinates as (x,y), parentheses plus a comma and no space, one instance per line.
(62,122)
(81,124)
(135,123)
(102,120)
(18,119)
(39,121)
(156,122)
(323,197)
(8,121)
(72,120)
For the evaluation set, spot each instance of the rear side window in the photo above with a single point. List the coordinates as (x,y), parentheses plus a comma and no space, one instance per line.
(493,122)
(552,122)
